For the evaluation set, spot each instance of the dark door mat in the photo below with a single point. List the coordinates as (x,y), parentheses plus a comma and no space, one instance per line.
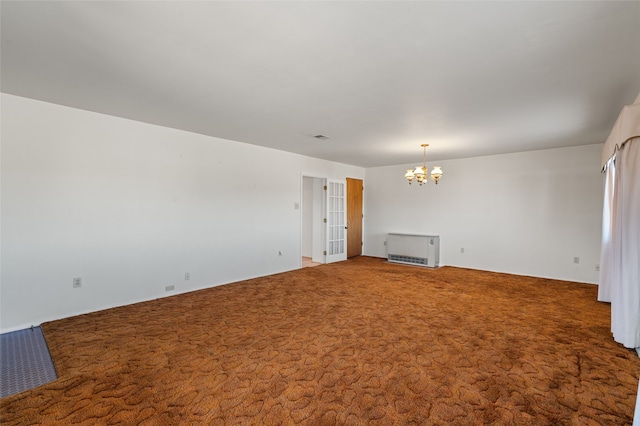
(25,362)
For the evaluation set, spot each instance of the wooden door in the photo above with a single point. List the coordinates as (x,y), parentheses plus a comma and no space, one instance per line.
(354,217)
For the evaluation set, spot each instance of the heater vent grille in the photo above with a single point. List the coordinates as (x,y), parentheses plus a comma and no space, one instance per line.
(408,259)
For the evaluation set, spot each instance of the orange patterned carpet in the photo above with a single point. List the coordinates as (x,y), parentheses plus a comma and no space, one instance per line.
(359,342)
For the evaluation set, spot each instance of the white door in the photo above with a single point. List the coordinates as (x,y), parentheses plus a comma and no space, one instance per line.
(336,220)
(319,227)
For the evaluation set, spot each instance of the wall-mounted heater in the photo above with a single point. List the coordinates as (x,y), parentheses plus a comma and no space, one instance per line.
(421,250)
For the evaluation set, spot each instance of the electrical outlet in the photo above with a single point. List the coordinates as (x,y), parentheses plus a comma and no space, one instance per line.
(461,250)
(597,267)
(576,260)
(170,288)
(77,282)
(187,276)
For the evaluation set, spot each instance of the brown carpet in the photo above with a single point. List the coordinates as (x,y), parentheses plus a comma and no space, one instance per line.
(359,342)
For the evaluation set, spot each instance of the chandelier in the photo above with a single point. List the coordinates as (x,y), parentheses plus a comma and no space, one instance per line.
(420,172)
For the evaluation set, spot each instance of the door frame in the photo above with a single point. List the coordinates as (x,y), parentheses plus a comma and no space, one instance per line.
(318,237)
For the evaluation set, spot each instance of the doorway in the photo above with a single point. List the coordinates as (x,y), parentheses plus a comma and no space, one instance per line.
(313,233)
(328,233)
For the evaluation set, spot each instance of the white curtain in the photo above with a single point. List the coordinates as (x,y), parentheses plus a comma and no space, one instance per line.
(607,250)
(636,416)
(620,267)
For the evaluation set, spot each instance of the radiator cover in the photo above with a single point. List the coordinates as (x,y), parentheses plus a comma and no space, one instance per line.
(413,249)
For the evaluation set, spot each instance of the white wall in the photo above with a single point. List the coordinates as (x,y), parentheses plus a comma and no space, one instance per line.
(130,207)
(527,213)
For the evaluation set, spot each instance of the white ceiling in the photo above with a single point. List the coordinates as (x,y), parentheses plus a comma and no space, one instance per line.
(379,78)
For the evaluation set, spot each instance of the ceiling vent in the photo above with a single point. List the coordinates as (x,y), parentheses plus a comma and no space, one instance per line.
(321,137)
